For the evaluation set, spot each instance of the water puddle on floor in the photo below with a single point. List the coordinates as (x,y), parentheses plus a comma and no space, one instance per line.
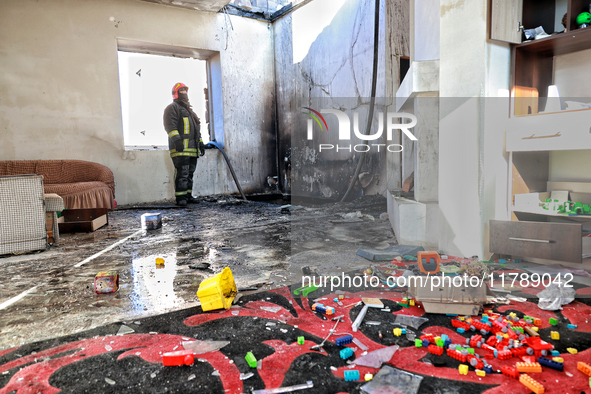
(154,289)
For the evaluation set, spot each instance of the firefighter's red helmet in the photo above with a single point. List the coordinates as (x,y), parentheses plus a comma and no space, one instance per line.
(175,89)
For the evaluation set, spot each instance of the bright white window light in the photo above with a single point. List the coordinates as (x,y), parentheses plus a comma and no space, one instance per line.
(146,83)
(308,22)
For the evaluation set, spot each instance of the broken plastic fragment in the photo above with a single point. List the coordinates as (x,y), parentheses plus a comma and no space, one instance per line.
(153,375)
(287,389)
(360,344)
(200,347)
(125,330)
(215,373)
(392,380)
(110,381)
(244,376)
(373,323)
(413,321)
(272,309)
(191,377)
(376,358)
(108,348)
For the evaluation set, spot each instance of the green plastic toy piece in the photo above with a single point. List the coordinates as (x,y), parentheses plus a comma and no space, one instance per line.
(553,321)
(305,290)
(471,350)
(409,258)
(300,340)
(418,342)
(440,342)
(251,360)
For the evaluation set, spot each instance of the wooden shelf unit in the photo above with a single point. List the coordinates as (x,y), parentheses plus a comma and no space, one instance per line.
(532,67)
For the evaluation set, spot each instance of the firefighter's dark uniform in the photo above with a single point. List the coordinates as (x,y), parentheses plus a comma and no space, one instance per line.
(183,131)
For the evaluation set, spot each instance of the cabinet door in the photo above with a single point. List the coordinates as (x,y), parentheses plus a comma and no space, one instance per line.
(506,20)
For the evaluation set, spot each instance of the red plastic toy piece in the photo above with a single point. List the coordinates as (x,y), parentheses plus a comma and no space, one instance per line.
(457,355)
(180,357)
(460,324)
(428,337)
(474,361)
(510,371)
(475,340)
(504,355)
(438,350)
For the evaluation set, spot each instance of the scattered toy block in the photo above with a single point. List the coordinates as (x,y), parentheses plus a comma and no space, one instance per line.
(553,321)
(558,359)
(555,335)
(510,371)
(301,340)
(341,341)
(463,369)
(480,372)
(584,367)
(397,332)
(572,350)
(537,322)
(418,342)
(438,350)
(571,326)
(351,376)
(346,353)
(531,384)
(180,357)
(368,377)
(528,367)
(546,362)
(411,302)
(251,360)
(555,353)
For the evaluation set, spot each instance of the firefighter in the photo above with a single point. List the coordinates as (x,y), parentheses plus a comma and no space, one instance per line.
(184,142)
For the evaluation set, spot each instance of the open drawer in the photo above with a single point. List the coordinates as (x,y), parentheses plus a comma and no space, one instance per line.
(551,241)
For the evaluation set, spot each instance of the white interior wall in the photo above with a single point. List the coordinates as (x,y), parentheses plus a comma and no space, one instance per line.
(473,163)
(425,28)
(59,89)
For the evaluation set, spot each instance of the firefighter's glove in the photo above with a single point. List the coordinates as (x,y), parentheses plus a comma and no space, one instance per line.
(178,144)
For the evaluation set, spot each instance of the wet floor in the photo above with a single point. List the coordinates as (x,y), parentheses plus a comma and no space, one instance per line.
(51,293)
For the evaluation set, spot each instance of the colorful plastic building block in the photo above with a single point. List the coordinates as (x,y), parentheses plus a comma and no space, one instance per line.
(457,355)
(546,362)
(397,332)
(571,326)
(555,335)
(341,341)
(346,353)
(584,367)
(411,302)
(572,350)
(180,357)
(418,342)
(480,372)
(488,369)
(510,371)
(438,350)
(460,330)
(301,340)
(528,367)
(327,310)
(251,360)
(305,290)
(351,376)
(531,384)
(463,368)
(553,321)
(368,377)
(474,361)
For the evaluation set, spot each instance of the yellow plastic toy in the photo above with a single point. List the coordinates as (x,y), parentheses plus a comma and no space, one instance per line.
(555,335)
(218,291)
(463,368)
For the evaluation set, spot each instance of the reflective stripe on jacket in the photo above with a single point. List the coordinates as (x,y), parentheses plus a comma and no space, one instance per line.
(180,125)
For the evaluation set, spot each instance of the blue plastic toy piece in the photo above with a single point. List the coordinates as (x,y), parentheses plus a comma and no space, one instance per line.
(346,353)
(403,331)
(460,330)
(488,369)
(343,340)
(555,353)
(447,342)
(351,376)
(551,364)
(502,261)
(484,319)
(444,337)
(425,343)
(335,299)
(571,326)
